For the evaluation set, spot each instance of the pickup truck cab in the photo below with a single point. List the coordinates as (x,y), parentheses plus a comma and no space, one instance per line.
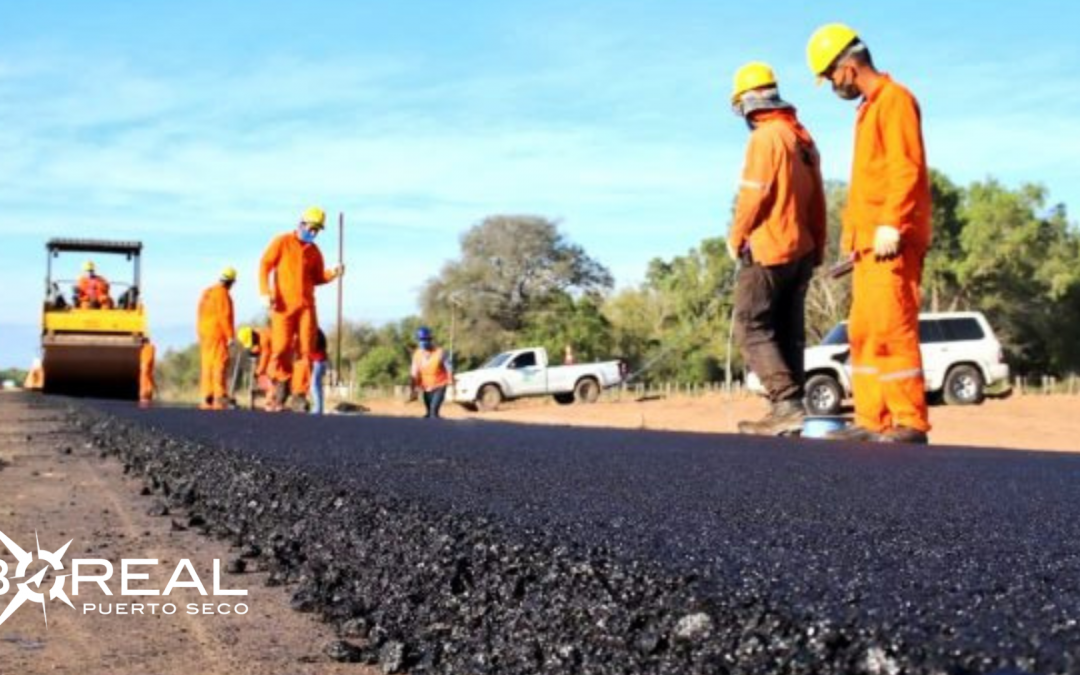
(521,373)
(961,358)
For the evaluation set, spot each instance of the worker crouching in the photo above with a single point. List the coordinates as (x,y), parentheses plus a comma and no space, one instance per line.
(431,372)
(777,236)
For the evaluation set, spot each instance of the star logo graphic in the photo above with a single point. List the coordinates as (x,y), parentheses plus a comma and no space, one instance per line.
(26,592)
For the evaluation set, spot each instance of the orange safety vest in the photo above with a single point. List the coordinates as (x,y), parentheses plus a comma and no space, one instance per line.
(429,369)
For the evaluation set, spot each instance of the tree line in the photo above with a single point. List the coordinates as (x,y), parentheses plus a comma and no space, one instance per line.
(518,281)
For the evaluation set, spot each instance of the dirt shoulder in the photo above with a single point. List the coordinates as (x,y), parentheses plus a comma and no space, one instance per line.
(1020,422)
(56,487)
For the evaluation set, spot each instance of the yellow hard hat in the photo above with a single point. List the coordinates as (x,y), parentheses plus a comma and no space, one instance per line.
(246,336)
(826,44)
(314,217)
(88,266)
(752,76)
(228,274)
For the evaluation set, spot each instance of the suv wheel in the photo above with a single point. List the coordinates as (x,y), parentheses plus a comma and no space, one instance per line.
(964,385)
(823,395)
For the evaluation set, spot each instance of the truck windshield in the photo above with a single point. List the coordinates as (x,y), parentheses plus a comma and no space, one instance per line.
(497,360)
(836,336)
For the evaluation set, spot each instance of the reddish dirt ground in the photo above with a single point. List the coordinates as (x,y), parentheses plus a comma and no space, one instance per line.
(1020,422)
(87,499)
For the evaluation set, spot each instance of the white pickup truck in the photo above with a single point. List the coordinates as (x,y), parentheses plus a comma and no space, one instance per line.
(525,372)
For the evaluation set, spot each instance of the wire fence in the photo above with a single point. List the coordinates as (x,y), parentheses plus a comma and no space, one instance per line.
(1027,385)
(1047,385)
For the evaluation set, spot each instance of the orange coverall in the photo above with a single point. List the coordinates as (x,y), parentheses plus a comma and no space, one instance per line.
(264,348)
(298,268)
(146,372)
(773,194)
(889,186)
(35,379)
(215,331)
(93,292)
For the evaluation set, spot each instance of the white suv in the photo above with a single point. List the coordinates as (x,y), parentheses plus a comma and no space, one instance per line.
(961,358)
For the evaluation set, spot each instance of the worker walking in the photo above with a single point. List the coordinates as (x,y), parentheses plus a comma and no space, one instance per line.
(297,267)
(886,233)
(92,290)
(431,372)
(778,236)
(216,334)
(146,372)
(318,372)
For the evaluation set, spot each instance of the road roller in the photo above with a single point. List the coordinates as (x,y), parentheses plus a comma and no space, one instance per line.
(92,328)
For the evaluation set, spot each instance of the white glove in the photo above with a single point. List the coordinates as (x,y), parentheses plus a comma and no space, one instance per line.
(268,301)
(732,251)
(886,241)
(339,271)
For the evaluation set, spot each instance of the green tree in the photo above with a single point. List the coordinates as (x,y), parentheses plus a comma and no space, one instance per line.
(1019,263)
(828,299)
(510,268)
(384,365)
(177,372)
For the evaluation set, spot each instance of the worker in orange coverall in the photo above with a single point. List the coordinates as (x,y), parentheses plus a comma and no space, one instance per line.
(92,289)
(886,233)
(257,342)
(297,267)
(778,234)
(216,334)
(146,372)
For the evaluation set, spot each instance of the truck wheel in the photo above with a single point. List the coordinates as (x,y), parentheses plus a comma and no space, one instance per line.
(565,398)
(823,395)
(489,398)
(964,385)
(587,390)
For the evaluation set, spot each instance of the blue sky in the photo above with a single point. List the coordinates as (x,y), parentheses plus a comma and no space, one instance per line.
(205,128)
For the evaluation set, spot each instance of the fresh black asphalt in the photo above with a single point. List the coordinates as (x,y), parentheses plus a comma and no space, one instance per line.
(702,553)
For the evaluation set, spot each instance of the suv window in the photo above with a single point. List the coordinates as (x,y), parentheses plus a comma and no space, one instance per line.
(961,329)
(526,360)
(930,332)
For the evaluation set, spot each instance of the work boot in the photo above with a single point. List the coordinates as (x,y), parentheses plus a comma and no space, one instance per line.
(853,433)
(785,417)
(904,435)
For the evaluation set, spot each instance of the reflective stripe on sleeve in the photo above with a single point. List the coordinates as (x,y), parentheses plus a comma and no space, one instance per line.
(753,184)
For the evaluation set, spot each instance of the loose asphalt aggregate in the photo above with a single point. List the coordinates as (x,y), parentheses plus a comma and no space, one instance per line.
(485,547)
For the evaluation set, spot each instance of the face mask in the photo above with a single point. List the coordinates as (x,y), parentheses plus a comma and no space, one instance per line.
(306,235)
(848,92)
